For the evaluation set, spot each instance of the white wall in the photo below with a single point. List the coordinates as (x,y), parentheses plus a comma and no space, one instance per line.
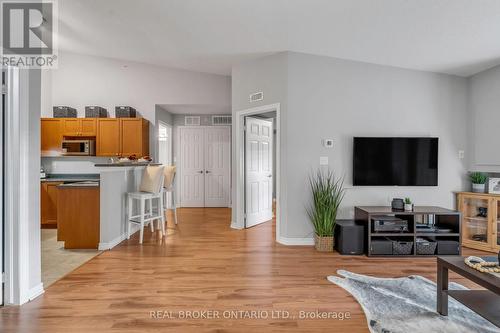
(484,107)
(339,99)
(84,80)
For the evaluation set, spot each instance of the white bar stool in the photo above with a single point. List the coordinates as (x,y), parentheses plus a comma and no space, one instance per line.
(168,187)
(151,188)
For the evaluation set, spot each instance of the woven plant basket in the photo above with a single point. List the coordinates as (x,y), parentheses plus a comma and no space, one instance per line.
(323,243)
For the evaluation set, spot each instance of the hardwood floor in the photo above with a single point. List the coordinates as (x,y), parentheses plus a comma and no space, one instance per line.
(205,265)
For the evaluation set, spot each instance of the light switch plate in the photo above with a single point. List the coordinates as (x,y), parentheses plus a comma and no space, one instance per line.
(323,160)
(461,154)
(328,143)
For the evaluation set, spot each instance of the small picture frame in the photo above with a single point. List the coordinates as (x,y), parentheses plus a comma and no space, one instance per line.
(494,185)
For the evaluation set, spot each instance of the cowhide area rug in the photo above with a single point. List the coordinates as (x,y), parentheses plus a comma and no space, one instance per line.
(408,305)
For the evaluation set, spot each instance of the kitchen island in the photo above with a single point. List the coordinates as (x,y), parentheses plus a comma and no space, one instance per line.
(116,181)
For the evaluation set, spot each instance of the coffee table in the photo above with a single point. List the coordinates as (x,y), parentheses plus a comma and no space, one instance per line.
(484,302)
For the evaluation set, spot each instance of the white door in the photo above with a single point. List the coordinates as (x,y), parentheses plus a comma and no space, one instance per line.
(258,171)
(217,166)
(193,169)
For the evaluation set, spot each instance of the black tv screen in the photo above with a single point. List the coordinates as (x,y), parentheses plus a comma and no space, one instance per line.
(395,161)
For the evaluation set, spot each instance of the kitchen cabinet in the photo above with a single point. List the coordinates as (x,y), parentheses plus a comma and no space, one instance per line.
(123,136)
(78,213)
(108,137)
(79,126)
(480,220)
(135,137)
(51,135)
(48,203)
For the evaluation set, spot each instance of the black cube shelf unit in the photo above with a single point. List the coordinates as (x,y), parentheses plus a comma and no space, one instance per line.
(442,218)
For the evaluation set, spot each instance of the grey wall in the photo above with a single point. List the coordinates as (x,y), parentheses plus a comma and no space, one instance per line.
(484,107)
(269,75)
(338,99)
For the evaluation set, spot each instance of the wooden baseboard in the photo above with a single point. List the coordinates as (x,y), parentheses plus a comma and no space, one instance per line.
(48,226)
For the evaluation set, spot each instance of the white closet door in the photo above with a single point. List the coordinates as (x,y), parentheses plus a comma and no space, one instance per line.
(258,171)
(192,164)
(217,166)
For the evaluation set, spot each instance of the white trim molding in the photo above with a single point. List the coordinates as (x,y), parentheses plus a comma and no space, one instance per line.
(109,245)
(35,292)
(306,241)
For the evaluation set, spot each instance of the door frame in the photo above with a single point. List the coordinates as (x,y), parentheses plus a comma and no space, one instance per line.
(239,168)
(170,156)
(178,161)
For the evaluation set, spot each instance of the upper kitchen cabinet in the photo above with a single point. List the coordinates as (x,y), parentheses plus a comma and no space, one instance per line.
(79,126)
(51,135)
(108,137)
(122,136)
(135,137)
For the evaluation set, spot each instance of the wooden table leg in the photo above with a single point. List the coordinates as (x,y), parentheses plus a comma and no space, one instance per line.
(442,288)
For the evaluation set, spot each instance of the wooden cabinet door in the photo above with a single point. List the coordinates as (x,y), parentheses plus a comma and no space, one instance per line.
(88,127)
(108,137)
(48,203)
(131,136)
(51,134)
(71,127)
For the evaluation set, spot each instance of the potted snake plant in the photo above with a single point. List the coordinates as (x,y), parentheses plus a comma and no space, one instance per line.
(327,194)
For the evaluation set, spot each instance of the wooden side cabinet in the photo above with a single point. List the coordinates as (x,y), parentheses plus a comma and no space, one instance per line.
(48,203)
(481,220)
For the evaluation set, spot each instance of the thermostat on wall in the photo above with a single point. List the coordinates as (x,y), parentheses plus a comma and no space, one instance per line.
(328,143)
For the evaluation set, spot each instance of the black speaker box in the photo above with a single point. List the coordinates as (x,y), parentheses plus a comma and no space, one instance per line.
(349,237)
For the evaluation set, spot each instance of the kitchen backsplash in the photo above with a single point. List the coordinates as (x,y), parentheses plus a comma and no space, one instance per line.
(71,164)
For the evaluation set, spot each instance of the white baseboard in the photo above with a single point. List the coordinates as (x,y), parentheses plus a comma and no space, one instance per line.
(235,226)
(306,241)
(35,292)
(109,245)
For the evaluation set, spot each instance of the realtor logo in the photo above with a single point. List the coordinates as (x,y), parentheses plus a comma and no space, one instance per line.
(28,34)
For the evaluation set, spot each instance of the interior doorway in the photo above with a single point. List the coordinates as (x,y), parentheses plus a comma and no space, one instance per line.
(244,208)
(165,151)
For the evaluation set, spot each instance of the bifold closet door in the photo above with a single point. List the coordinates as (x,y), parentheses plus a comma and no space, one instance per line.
(217,166)
(193,169)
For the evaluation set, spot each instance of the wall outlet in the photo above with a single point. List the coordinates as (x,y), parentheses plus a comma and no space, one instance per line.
(323,160)
(461,154)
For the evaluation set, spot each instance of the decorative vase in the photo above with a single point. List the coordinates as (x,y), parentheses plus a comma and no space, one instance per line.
(408,207)
(323,243)
(478,188)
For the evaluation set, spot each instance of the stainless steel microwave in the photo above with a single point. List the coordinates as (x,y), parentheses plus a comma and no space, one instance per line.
(78,147)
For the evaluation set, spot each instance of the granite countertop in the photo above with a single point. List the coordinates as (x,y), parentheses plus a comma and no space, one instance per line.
(126,164)
(70,177)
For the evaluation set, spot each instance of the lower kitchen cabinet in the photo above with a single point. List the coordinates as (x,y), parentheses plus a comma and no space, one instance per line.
(78,214)
(48,203)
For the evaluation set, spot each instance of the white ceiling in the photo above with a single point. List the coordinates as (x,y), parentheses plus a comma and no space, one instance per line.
(450,36)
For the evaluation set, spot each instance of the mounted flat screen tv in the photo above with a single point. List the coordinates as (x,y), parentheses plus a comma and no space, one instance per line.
(395,161)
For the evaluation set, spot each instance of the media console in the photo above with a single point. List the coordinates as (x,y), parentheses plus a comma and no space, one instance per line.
(425,231)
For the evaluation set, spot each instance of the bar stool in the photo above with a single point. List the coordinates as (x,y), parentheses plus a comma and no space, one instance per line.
(168,187)
(151,188)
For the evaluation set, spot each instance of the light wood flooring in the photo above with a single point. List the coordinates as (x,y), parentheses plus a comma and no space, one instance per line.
(205,265)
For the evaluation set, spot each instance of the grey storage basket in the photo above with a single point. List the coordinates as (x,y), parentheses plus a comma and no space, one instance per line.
(64,112)
(425,246)
(401,247)
(95,112)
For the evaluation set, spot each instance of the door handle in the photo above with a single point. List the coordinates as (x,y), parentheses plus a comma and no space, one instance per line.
(200,171)
(269,176)
(207,171)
